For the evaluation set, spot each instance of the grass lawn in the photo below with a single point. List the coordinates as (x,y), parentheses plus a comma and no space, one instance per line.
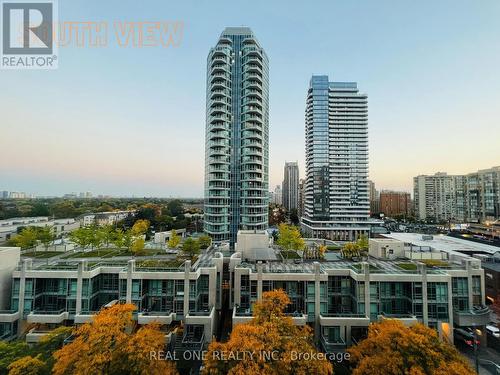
(151,263)
(42,254)
(408,266)
(103,253)
(289,254)
(333,248)
(434,263)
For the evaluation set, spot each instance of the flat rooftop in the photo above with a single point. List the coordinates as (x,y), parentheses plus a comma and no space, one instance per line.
(444,243)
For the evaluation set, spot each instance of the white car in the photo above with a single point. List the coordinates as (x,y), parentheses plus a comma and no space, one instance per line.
(494,331)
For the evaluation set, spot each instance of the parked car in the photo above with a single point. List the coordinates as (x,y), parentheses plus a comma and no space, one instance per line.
(465,336)
(492,330)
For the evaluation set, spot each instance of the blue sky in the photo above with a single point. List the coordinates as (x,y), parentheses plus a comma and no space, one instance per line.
(128,121)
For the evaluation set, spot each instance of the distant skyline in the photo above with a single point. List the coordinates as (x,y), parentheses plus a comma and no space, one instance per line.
(131,121)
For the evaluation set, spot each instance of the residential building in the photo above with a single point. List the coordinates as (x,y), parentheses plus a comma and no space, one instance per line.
(47,296)
(337,297)
(10,227)
(17,195)
(105,218)
(237,136)
(395,203)
(474,197)
(374,198)
(278,195)
(302,185)
(291,186)
(337,202)
(4,194)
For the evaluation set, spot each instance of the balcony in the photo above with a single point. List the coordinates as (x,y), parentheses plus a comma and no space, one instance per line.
(34,335)
(48,317)
(299,319)
(406,319)
(200,317)
(84,317)
(161,317)
(331,346)
(478,316)
(9,316)
(343,319)
(241,315)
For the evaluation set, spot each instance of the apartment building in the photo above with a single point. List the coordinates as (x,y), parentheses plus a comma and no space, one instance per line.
(474,197)
(10,227)
(395,203)
(337,202)
(49,295)
(104,218)
(236,136)
(337,297)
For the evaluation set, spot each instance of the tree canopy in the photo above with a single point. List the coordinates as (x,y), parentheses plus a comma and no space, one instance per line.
(394,349)
(275,341)
(289,237)
(107,346)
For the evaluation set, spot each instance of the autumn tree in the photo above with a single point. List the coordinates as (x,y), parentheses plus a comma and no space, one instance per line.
(350,250)
(140,227)
(174,240)
(289,237)
(27,366)
(270,331)
(393,349)
(138,246)
(107,346)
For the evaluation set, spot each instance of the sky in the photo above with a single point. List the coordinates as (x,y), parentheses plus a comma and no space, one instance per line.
(131,121)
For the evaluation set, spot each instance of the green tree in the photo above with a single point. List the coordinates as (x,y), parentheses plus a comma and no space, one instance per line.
(191,247)
(289,238)
(107,234)
(137,247)
(118,238)
(174,240)
(363,243)
(10,352)
(46,236)
(26,238)
(80,237)
(294,216)
(175,207)
(128,239)
(204,241)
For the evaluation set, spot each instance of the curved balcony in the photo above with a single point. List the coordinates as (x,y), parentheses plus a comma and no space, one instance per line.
(214,93)
(478,316)
(253,84)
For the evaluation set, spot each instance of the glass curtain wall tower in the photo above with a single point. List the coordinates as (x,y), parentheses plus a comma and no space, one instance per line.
(237,136)
(337,202)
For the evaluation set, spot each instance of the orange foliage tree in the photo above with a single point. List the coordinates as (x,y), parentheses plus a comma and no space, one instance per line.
(394,349)
(107,346)
(270,344)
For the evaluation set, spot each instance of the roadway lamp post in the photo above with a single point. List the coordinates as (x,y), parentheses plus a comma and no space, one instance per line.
(476,358)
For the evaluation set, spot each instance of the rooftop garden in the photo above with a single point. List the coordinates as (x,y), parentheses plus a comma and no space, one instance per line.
(408,266)
(41,254)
